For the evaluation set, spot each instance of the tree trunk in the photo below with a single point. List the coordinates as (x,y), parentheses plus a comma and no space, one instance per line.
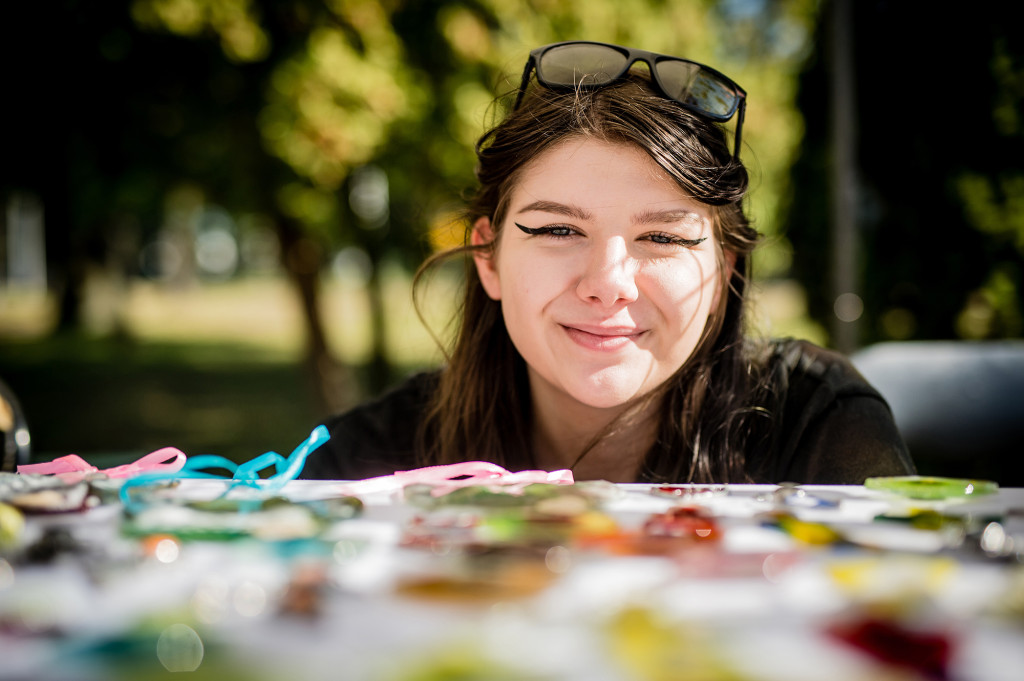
(379,369)
(302,258)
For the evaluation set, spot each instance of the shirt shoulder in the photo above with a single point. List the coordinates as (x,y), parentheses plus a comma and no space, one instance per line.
(809,368)
(832,425)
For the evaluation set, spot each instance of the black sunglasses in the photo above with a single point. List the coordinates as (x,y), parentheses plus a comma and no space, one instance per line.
(584,64)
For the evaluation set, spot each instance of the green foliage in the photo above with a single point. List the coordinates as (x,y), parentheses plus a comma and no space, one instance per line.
(234,22)
(939,142)
(97,398)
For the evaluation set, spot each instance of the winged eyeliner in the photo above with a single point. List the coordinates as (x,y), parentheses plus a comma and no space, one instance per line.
(535,231)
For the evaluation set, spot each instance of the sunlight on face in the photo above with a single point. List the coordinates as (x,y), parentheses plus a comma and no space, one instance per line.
(606,272)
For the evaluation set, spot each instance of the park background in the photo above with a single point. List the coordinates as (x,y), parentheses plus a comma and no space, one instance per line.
(212,209)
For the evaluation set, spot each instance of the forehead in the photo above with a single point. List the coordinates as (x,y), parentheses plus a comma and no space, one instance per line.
(601,175)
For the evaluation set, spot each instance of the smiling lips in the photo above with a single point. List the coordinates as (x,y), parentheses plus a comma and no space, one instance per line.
(597,338)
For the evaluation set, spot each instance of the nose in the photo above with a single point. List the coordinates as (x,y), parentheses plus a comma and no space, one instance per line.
(609,276)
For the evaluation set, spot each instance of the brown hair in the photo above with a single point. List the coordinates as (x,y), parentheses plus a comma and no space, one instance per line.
(481,409)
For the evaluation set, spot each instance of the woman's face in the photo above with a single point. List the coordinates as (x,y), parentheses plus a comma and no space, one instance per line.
(606,272)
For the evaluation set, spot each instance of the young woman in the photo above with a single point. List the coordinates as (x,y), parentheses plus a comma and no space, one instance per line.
(602,326)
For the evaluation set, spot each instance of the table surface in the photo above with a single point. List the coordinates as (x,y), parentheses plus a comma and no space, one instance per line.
(793,584)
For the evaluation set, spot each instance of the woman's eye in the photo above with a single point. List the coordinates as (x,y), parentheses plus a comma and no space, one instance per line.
(549,230)
(674,240)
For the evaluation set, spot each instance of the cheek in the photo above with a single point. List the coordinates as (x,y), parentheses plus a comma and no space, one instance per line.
(540,279)
(688,286)
(524,295)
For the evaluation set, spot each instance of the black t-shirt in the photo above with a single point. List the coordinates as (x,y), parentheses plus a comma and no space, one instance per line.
(833,427)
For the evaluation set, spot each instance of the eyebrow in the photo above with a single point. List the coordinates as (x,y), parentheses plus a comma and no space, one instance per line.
(557,209)
(647,217)
(661,217)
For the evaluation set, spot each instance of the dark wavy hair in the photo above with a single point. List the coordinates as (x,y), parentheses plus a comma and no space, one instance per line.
(481,409)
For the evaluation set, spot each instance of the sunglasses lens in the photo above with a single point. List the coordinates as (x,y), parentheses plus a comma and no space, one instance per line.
(572,65)
(690,84)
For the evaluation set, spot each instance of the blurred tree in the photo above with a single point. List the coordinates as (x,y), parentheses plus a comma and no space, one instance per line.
(117,110)
(940,124)
(328,86)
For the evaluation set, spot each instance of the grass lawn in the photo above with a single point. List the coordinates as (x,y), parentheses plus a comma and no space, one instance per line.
(210,370)
(116,400)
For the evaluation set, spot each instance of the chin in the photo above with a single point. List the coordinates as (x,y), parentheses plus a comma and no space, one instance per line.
(606,404)
(607,397)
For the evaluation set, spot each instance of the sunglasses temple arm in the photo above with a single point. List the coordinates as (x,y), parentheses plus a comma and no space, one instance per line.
(522,85)
(739,128)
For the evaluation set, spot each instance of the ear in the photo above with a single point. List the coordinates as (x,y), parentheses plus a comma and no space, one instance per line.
(486,264)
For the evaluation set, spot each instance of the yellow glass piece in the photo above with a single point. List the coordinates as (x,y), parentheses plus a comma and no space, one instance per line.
(807,532)
(12,523)
(651,648)
(896,582)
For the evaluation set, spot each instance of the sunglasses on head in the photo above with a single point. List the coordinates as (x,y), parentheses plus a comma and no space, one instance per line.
(583,64)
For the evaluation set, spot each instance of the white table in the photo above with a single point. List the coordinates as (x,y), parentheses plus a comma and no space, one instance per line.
(762,610)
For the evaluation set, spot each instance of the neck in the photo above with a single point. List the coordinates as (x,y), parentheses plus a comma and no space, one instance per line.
(561,439)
